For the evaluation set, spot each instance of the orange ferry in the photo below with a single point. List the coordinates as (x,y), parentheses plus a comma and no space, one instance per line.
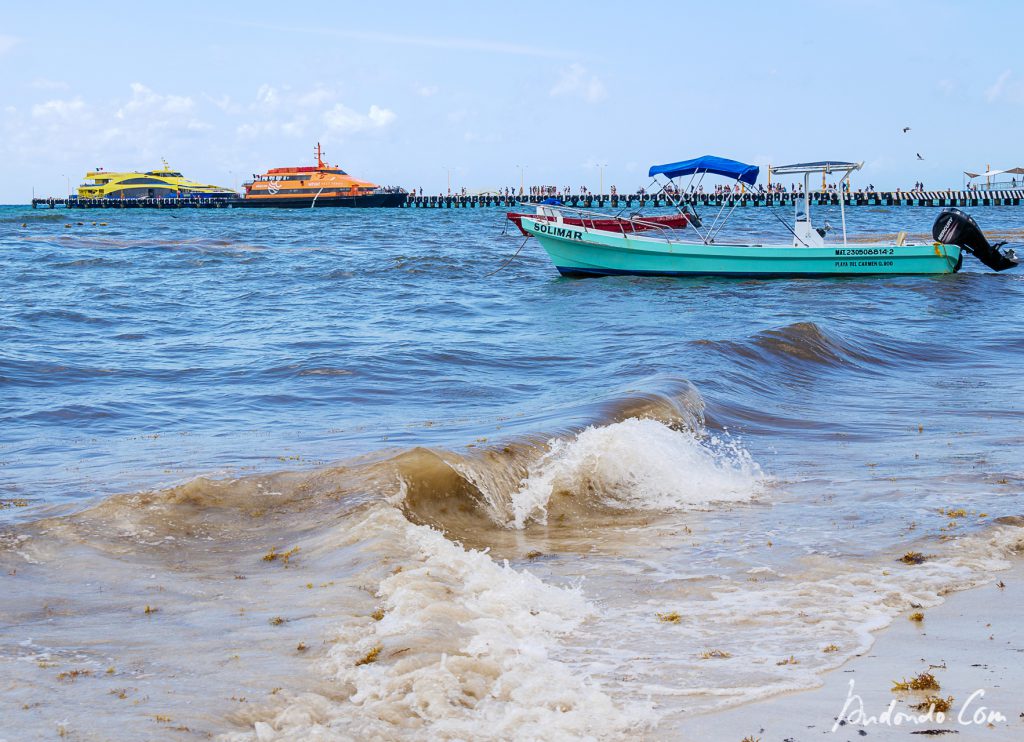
(322,185)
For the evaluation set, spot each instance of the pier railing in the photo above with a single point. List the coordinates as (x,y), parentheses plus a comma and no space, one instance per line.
(1007,197)
(943,198)
(186,202)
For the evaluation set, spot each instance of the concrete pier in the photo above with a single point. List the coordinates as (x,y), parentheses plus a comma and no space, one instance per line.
(592,201)
(134,203)
(740,200)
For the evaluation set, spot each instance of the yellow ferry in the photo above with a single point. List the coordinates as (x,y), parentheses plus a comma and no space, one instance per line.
(160,183)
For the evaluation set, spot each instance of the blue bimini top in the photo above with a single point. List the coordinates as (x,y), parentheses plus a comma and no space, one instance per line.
(708,164)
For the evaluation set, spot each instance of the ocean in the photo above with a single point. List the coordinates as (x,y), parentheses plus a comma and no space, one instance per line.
(324,474)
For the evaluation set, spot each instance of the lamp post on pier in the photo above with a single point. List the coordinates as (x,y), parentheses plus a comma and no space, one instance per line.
(600,188)
(522,178)
(449,170)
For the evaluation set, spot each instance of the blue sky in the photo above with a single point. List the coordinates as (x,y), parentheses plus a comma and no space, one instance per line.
(401,93)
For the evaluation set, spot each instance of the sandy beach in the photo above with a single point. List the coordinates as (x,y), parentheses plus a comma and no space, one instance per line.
(972,644)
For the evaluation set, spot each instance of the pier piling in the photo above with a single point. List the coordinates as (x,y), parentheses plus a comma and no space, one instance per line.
(590,200)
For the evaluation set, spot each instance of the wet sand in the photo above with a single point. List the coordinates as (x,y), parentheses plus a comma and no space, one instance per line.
(973,641)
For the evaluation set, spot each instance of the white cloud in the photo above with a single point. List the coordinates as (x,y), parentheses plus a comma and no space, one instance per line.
(249,131)
(8,42)
(474,44)
(996,90)
(576,82)
(476,138)
(343,120)
(426,91)
(318,96)
(294,128)
(59,109)
(286,112)
(267,97)
(41,83)
(145,101)
(1006,89)
(224,103)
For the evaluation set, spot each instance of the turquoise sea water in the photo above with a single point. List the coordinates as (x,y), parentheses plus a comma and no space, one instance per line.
(367,359)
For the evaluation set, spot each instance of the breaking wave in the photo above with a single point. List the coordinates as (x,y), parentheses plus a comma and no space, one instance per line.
(636,464)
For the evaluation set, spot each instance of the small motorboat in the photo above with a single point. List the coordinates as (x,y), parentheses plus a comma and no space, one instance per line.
(603,222)
(579,248)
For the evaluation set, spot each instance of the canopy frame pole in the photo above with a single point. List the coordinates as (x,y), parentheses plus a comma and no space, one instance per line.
(675,202)
(654,181)
(711,228)
(842,204)
(712,232)
(725,220)
(676,199)
(807,198)
(693,206)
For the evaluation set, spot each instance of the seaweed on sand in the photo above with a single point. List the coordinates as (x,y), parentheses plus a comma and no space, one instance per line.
(934,703)
(923,681)
(914,557)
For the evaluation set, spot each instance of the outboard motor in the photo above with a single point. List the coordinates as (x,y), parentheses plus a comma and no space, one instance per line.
(954,227)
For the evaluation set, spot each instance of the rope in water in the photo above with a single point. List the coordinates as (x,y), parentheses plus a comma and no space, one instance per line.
(508,260)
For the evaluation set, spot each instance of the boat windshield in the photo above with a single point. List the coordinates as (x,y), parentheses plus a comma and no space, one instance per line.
(802,212)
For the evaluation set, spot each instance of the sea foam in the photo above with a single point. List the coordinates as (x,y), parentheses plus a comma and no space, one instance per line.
(637,464)
(466,648)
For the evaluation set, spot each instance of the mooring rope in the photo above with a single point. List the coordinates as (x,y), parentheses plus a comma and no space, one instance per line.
(509,259)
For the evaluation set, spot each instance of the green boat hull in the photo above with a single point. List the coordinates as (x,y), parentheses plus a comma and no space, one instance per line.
(579,251)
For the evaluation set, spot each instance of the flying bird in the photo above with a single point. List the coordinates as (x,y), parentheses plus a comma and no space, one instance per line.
(919,156)
(906,129)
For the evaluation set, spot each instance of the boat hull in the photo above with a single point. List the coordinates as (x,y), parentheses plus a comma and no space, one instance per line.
(373,200)
(580,251)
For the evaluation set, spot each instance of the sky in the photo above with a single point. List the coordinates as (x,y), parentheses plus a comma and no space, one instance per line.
(491,95)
